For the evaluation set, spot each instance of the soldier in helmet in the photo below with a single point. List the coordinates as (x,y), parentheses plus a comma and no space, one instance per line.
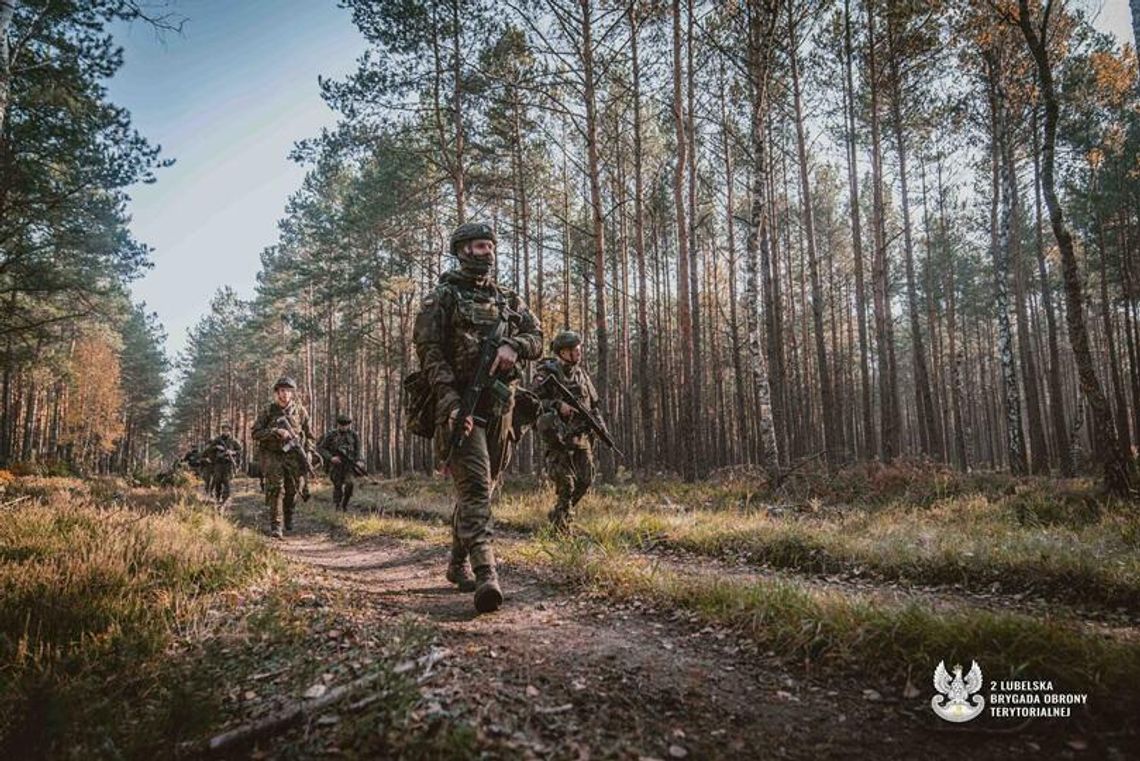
(454,321)
(340,449)
(568,441)
(221,458)
(281,431)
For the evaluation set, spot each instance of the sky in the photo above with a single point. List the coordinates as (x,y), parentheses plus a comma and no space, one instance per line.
(226,99)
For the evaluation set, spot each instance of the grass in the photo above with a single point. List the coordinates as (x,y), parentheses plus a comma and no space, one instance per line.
(849,633)
(353,526)
(1065,544)
(133,617)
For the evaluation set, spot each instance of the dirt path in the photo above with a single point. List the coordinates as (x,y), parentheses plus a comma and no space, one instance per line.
(556,674)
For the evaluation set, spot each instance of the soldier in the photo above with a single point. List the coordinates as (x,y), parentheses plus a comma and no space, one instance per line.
(194,459)
(568,441)
(283,436)
(340,449)
(221,458)
(451,328)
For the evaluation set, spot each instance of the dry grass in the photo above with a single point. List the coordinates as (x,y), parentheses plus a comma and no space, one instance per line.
(1064,543)
(848,633)
(97,585)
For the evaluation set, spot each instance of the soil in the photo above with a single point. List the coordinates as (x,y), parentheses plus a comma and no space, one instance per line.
(558,673)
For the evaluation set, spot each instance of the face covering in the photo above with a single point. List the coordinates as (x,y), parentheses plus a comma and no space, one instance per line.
(475,267)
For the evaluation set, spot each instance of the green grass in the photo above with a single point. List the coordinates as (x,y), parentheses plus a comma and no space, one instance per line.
(854,634)
(1062,544)
(356,526)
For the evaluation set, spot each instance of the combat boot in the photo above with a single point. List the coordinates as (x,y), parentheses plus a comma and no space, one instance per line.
(488,595)
(459,573)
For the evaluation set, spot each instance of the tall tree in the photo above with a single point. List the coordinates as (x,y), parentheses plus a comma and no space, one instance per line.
(1117,464)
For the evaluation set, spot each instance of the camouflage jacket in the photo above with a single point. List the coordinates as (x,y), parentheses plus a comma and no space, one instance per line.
(450,328)
(334,440)
(266,422)
(227,443)
(577,382)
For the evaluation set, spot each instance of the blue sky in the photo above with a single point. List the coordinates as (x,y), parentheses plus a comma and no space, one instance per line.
(226,99)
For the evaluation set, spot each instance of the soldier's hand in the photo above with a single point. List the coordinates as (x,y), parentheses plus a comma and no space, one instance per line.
(282,433)
(505,359)
(565,410)
(468,422)
(336,460)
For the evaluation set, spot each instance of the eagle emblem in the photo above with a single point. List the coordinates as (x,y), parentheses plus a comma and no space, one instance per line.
(956,700)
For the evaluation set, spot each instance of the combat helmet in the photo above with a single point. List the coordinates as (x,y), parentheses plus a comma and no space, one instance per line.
(469,231)
(285,381)
(343,419)
(565,339)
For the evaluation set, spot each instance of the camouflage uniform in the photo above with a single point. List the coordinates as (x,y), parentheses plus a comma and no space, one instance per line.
(341,473)
(569,457)
(195,459)
(450,329)
(219,460)
(283,471)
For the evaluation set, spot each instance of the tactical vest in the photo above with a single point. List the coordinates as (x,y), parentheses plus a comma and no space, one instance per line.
(470,314)
(576,381)
(296,415)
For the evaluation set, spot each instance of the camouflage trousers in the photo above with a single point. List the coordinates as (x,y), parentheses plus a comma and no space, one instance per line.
(572,471)
(221,476)
(283,477)
(344,483)
(475,468)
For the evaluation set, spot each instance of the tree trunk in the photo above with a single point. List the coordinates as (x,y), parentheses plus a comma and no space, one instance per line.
(1001,242)
(880,275)
(684,304)
(648,444)
(1056,394)
(598,227)
(868,439)
(956,355)
(733,318)
(929,435)
(457,113)
(761,32)
(830,435)
(1117,463)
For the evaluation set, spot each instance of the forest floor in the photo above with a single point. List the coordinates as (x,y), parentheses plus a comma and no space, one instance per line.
(570,670)
(672,622)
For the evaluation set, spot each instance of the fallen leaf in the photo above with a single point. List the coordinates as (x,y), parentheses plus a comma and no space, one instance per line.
(532,691)
(316,691)
(676,751)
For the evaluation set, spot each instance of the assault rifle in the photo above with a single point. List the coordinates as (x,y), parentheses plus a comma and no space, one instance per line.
(482,382)
(293,444)
(222,453)
(593,422)
(345,456)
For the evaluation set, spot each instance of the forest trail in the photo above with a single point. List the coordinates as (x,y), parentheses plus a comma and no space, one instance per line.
(557,673)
